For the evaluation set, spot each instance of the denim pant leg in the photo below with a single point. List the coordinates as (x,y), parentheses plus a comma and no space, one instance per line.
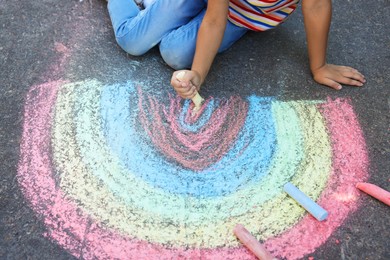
(178,47)
(137,31)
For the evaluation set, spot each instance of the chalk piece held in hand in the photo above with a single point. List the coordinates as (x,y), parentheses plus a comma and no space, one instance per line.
(252,243)
(180,75)
(313,208)
(197,99)
(375,191)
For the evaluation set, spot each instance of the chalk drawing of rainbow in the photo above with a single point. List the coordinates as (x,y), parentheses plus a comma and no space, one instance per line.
(115,173)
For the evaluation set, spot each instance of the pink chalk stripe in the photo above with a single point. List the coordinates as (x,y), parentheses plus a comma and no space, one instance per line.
(195,151)
(350,164)
(82,236)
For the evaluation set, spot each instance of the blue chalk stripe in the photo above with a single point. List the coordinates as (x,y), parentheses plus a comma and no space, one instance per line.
(131,145)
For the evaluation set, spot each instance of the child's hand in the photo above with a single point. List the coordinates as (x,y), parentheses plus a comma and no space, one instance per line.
(187,85)
(334,75)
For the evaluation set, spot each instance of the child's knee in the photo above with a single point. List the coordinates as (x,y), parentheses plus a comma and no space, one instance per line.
(130,46)
(177,58)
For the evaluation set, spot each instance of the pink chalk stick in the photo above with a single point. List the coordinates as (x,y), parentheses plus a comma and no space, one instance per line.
(252,243)
(375,191)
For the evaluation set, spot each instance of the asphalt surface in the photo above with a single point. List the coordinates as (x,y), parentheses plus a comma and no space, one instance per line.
(30,54)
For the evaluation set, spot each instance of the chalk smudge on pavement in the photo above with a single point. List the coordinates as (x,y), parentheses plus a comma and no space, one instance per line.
(114,173)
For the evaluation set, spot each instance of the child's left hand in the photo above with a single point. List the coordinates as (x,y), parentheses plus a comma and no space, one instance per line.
(334,75)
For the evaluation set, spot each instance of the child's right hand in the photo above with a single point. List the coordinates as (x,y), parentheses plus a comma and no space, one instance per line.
(188,85)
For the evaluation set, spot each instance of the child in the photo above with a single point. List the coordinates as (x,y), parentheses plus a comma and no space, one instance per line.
(190,34)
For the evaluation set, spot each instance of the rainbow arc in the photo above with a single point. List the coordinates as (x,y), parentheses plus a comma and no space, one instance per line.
(115,173)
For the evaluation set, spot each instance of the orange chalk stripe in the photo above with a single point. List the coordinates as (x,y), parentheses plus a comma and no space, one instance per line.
(375,191)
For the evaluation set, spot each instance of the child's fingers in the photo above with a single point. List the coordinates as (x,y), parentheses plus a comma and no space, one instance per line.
(190,93)
(186,92)
(182,83)
(188,77)
(352,82)
(352,70)
(333,76)
(353,77)
(336,84)
(183,77)
(331,83)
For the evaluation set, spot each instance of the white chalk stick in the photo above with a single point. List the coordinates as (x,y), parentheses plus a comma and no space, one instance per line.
(198,100)
(180,75)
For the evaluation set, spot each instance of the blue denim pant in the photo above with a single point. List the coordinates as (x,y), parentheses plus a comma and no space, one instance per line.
(171,24)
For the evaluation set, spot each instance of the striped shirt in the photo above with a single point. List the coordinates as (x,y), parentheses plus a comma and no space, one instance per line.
(260,15)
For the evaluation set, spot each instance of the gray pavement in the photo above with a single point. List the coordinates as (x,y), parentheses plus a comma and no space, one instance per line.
(44,41)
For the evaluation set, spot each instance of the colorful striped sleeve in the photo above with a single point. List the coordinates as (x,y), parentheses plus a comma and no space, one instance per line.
(260,15)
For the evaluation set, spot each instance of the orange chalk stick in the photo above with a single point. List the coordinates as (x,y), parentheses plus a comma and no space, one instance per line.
(252,243)
(375,191)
